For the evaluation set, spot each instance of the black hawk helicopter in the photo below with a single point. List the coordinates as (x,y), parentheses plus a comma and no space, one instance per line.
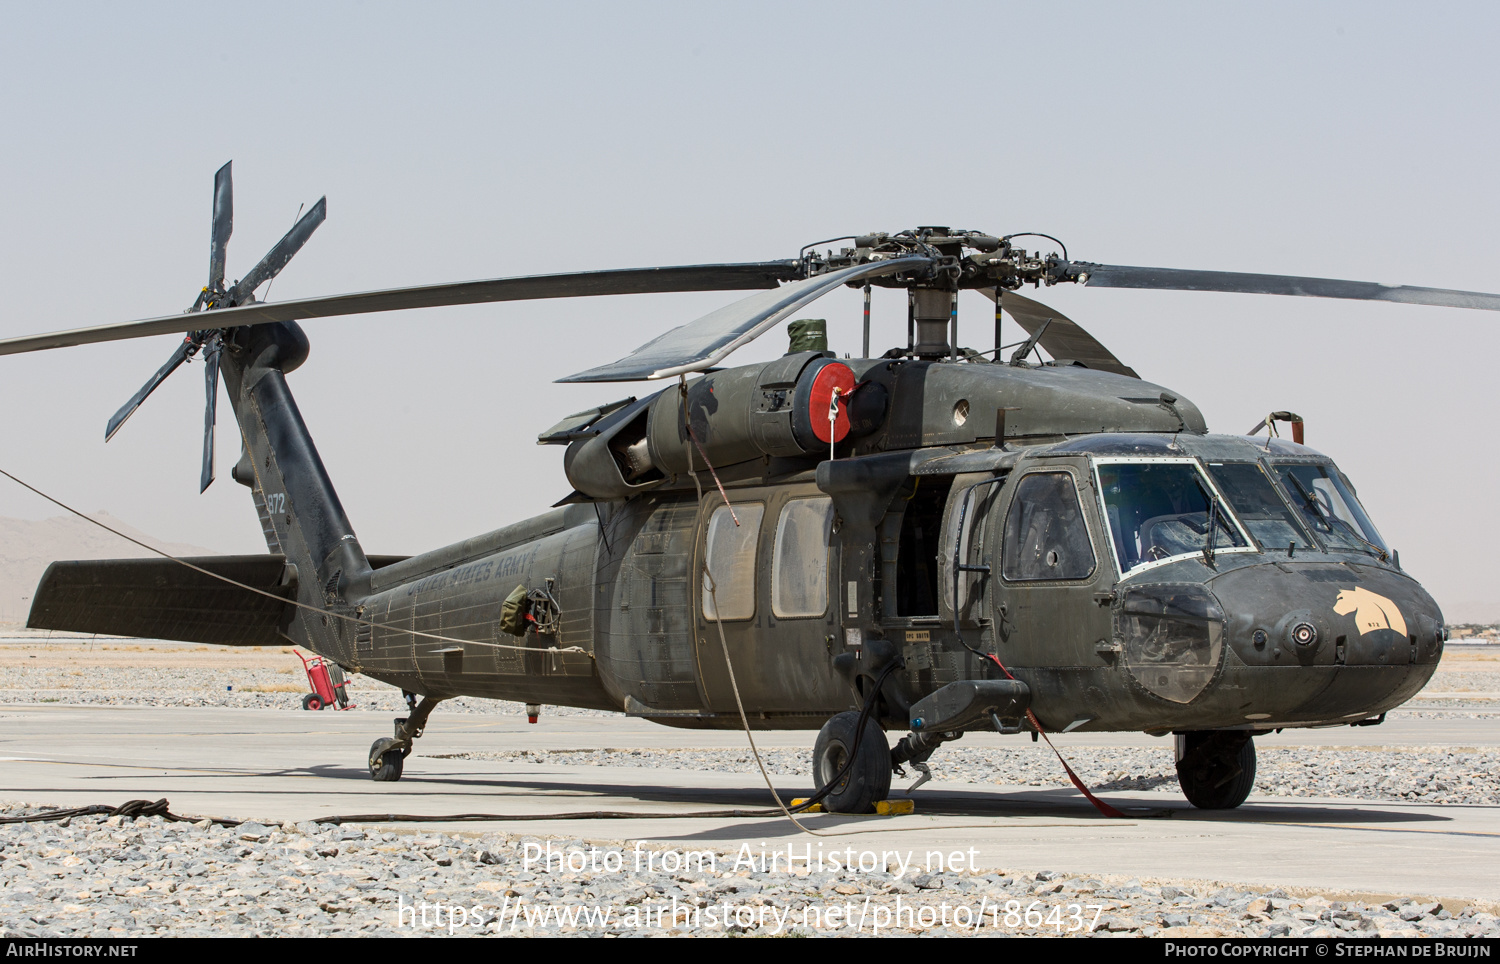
(943,541)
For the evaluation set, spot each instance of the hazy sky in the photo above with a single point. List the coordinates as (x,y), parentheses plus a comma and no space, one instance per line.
(471,141)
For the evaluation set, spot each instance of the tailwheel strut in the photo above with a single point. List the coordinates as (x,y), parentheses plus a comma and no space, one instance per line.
(388,755)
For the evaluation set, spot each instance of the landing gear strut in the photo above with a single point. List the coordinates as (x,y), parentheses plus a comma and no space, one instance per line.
(869,778)
(388,755)
(1215,768)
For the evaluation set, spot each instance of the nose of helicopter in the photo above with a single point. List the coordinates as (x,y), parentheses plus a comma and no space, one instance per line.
(1282,643)
(1327,614)
(1323,642)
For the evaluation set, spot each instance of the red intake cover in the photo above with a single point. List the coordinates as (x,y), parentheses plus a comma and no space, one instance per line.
(832,376)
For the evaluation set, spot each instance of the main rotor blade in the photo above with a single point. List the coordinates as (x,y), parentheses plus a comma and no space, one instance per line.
(211,386)
(128,409)
(1064,337)
(1178,279)
(704,343)
(708,277)
(291,242)
(223,227)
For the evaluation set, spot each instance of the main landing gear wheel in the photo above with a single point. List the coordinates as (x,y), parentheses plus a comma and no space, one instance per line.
(1215,768)
(385,761)
(312,702)
(869,778)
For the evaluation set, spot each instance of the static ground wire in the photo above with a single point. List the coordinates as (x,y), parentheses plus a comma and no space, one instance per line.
(134,808)
(282,599)
(782,810)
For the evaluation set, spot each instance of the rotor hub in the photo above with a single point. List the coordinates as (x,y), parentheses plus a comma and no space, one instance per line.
(958,259)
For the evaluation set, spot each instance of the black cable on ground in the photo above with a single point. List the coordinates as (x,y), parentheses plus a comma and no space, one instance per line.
(130,808)
(523,817)
(159,808)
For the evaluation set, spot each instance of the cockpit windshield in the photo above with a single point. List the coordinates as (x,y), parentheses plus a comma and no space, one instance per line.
(1329,507)
(1160,509)
(1256,502)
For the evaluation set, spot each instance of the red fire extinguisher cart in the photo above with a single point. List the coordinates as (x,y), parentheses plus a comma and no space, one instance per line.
(327,681)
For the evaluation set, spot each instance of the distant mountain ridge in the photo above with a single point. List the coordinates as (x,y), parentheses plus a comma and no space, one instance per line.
(28,547)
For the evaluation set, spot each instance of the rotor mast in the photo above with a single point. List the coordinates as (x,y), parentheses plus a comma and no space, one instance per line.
(932,289)
(935,307)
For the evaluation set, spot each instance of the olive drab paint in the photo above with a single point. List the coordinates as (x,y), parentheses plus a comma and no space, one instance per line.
(945,541)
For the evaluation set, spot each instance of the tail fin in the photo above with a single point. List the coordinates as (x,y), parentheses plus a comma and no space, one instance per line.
(300,512)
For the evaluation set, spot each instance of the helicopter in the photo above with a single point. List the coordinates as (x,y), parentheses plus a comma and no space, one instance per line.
(932,541)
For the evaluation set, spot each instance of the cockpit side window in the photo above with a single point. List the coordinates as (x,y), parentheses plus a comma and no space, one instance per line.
(1045,535)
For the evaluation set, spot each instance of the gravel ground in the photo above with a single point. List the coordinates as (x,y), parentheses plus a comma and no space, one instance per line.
(1464,681)
(114,877)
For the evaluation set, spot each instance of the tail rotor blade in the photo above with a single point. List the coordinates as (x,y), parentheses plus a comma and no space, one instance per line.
(128,409)
(223,226)
(270,266)
(211,386)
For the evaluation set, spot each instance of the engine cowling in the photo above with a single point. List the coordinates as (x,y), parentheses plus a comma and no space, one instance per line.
(781,408)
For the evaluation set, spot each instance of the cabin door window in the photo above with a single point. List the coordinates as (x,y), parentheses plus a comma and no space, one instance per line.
(730,552)
(799,571)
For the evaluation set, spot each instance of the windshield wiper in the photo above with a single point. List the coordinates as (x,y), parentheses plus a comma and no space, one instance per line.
(1310,501)
(1317,508)
(1211,538)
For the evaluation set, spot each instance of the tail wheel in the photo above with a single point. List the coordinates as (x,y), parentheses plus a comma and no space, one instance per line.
(385,761)
(869,777)
(1215,768)
(312,702)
